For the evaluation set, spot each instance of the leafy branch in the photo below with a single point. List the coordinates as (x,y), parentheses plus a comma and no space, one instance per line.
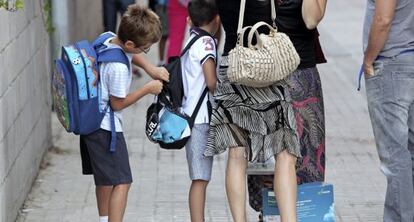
(11,5)
(47,15)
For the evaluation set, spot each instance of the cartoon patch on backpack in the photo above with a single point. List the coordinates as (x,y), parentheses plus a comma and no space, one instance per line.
(60,102)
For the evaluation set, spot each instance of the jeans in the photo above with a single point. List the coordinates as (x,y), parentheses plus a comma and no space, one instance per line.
(110,12)
(390,95)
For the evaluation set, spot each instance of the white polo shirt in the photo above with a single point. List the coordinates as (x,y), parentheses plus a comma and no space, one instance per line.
(194,82)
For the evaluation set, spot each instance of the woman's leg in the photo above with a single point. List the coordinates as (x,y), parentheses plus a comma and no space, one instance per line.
(285,185)
(236,183)
(197,200)
(109,15)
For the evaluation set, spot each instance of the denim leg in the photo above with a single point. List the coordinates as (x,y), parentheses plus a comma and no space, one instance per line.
(109,14)
(390,94)
(123,5)
(411,138)
(403,79)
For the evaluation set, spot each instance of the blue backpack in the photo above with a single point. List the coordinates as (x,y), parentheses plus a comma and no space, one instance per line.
(75,85)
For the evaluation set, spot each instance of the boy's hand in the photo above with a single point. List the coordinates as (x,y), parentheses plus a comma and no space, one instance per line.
(154,87)
(160,73)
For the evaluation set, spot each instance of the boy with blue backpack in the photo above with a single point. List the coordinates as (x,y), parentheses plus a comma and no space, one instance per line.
(91,88)
(138,30)
(199,74)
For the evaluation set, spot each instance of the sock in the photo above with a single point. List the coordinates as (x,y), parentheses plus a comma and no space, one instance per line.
(103,218)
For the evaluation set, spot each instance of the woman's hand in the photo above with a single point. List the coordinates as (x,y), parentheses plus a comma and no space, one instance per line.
(313,12)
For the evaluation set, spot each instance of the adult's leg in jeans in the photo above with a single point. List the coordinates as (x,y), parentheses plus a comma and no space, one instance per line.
(118,201)
(161,49)
(109,14)
(236,183)
(285,185)
(389,117)
(411,137)
(197,200)
(123,5)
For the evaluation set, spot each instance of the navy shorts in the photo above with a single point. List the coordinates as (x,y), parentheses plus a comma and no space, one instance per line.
(108,168)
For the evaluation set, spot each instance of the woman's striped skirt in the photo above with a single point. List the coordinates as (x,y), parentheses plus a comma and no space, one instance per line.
(260,119)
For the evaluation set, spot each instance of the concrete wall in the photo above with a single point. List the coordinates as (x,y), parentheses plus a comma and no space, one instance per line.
(26,55)
(25,132)
(75,20)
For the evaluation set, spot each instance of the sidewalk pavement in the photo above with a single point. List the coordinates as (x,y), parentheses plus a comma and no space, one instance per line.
(159,191)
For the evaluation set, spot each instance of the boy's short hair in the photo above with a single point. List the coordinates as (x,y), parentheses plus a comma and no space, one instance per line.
(139,25)
(202,12)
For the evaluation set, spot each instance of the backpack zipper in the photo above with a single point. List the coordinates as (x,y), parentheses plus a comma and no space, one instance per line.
(85,71)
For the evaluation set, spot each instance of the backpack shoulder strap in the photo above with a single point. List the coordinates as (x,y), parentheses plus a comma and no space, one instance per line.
(197,108)
(113,55)
(99,42)
(199,33)
(109,55)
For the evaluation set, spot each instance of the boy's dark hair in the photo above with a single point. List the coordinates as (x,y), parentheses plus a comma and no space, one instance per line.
(202,12)
(139,25)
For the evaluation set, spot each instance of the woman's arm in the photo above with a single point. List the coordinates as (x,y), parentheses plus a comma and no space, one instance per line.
(313,12)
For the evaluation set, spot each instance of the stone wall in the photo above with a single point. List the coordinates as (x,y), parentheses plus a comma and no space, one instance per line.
(25,132)
(75,20)
(26,55)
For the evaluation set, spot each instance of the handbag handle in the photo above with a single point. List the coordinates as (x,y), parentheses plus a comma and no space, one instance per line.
(254,31)
(241,37)
(241,15)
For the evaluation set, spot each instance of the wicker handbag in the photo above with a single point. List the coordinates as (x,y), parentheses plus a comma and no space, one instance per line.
(272,59)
